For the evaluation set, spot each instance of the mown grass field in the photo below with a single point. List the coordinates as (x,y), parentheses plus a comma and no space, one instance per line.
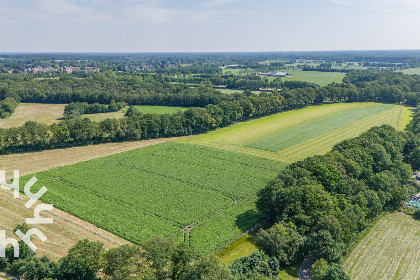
(411,71)
(320,78)
(103,116)
(157,109)
(162,189)
(391,250)
(42,113)
(294,135)
(232,91)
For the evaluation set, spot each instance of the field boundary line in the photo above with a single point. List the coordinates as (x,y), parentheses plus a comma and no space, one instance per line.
(238,149)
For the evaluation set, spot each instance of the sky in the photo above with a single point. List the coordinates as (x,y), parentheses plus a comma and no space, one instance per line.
(207,25)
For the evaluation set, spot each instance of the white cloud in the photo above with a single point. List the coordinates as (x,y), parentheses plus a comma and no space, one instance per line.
(201,15)
(150,13)
(216,3)
(389,6)
(59,7)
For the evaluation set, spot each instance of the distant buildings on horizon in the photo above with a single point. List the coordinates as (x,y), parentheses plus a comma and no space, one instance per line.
(67,69)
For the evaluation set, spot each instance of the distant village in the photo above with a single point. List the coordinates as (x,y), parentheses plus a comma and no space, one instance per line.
(67,69)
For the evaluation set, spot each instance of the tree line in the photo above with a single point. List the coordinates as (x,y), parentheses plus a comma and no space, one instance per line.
(320,204)
(75,110)
(156,259)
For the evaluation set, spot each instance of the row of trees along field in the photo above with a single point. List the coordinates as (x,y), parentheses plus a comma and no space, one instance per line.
(214,109)
(74,110)
(156,259)
(319,205)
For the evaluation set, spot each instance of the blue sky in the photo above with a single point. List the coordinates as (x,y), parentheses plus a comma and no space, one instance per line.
(207,25)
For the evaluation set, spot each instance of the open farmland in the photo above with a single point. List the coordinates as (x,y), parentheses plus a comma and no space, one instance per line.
(163,189)
(42,113)
(389,251)
(157,109)
(191,191)
(317,128)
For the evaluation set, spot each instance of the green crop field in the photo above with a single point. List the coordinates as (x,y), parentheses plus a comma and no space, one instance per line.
(391,250)
(297,134)
(162,189)
(157,109)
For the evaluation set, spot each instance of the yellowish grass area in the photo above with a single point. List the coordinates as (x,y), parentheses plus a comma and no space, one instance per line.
(103,116)
(42,113)
(236,250)
(391,250)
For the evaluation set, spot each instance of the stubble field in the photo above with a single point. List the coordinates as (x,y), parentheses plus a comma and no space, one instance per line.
(389,251)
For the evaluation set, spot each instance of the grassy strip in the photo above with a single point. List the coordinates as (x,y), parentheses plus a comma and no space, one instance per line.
(157,109)
(237,249)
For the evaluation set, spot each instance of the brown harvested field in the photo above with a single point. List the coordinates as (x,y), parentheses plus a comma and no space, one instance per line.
(67,229)
(42,113)
(391,250)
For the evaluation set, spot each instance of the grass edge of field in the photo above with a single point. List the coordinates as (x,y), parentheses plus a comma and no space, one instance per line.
(244,247)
